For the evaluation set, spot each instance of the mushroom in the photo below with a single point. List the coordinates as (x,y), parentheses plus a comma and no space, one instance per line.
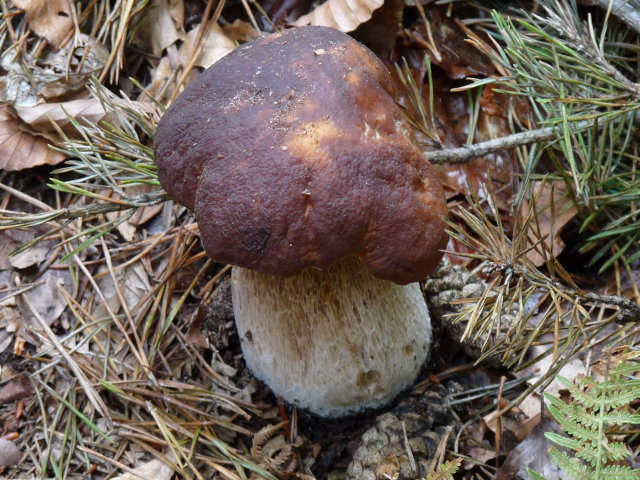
(302,172)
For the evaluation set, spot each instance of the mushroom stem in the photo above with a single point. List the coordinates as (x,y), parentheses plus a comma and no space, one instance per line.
(335,341)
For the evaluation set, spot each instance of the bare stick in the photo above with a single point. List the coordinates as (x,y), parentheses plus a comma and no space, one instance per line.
(468,153)
(630,311)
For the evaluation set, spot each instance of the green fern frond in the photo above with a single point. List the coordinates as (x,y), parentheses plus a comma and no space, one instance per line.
(597,406)
(571,466)
(607,396)
(619,472)
(446,470)
(580,471)
(581,446)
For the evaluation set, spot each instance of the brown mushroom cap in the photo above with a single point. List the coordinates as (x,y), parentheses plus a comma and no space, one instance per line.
(293,153)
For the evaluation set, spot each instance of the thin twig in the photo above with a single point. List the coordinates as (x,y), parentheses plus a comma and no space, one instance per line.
(468,153)
(629,311)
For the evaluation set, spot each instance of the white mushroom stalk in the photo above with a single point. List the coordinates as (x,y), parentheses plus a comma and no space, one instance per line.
(334,341)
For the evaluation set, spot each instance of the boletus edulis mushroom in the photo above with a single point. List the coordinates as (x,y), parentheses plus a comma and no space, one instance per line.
(302,173)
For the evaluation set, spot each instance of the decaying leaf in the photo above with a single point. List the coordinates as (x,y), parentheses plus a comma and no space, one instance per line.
(476,450)
(155,469)
(51,19)
(19,149)
(6,339)
(448,47)
(9,453)
(379,33)
(161,25)
(162,75)
(132,286)
(537,370)
(29,257)
(10,240)
(215,45)
(17,389)
(6,247)
(142,215)
(519,420)
(29,80)
(240,31)
(46,297)
(10,315)
(553,210)
(136,285)
(196,335)
(41,116)
(532,452)
(344,15)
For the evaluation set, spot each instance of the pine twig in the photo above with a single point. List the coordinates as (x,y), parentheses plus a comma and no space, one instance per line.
(629,311)
(468,153)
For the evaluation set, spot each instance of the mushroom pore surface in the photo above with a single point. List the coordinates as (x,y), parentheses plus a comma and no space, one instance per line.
(292,152)
(302,172)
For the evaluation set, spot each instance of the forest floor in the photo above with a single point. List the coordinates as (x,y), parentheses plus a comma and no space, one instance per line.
(118,350)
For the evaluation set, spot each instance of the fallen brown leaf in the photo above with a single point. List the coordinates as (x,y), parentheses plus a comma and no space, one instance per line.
(540,368)
(9,453)
(380,32)
(215,45)
(554,209)
(46,298)
(476,449)
(345,15)
(51,19)
(20,149)
(131,285)
(29,257)
(6,339)
(10,323)
(520,420)
(533,453)
(161,26)
(142,215)
(40,117)
(10,240)
(450,49)
(6,247)
(164,73)
(477,175)
(240,31)
(17,389)
(154,469)
(196,335)
(60,73)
